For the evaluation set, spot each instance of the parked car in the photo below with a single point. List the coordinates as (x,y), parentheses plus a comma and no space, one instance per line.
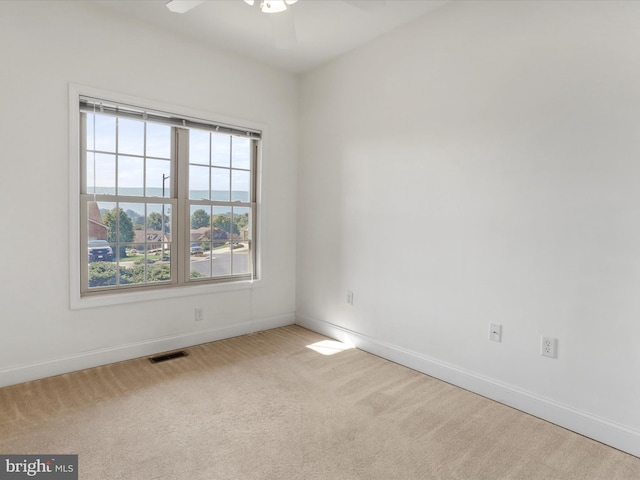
(100,251)
(195,248)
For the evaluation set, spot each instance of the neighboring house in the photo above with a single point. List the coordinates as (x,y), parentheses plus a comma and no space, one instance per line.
(97,229)
(150,240)
(200,234)
(205,234)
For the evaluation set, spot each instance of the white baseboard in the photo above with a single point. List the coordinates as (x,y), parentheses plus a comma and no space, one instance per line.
(80,361)
(584,423)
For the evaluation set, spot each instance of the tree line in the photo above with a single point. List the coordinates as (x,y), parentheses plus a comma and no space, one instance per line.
(122,224)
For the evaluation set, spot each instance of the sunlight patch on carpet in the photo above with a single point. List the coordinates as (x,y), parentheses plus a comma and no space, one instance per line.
(329,347)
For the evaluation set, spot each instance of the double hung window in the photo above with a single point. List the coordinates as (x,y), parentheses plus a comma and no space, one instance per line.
(165,200)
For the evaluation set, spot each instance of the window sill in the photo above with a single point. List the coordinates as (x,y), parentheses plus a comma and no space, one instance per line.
(113,298)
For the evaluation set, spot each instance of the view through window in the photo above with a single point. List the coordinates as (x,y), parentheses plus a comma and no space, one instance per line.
(164,200)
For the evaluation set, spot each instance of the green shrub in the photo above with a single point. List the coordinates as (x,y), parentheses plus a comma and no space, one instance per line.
(155,273)
(102,274)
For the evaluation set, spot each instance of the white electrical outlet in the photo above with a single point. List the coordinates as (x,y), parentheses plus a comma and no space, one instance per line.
(198,314)
(350,298)
(549,347)
(495,332)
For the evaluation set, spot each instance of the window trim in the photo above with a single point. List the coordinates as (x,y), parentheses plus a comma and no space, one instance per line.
(77,301)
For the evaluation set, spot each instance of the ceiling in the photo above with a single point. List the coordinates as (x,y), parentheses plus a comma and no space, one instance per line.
(310,33)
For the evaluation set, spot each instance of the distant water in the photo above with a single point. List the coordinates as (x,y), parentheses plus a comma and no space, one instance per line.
(218,195)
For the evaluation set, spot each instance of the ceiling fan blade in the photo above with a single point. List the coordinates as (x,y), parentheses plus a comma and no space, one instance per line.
(182,6)
(367,5)
(284,29)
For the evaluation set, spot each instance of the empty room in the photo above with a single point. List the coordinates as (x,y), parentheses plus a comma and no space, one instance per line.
(320,239)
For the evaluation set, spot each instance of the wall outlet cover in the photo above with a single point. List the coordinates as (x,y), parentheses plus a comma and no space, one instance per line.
(549,347)
(495,332)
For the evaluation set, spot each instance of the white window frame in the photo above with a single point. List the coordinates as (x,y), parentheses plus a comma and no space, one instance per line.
(121,296)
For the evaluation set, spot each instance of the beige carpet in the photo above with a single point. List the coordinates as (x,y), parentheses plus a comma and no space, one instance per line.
(265,406)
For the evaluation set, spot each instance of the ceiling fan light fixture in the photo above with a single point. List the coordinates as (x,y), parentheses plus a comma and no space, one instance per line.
(182,6)
(273,6)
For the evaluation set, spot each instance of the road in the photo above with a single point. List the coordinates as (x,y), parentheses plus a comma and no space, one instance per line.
(221,263)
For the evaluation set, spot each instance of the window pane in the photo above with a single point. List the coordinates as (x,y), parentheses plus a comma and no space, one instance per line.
(158,140)
(130,175)
(102,274)
(241,153)
(221,146)
(200,241)
(158,178)
(147,267)
(120,225)
(200,218)
(241,245)
(103,176)
(102,269)
(130,136)
(221,262)
(158,244)
(220,221)
(98,234)
(220,184)
(128,274)
(105,133)
(135,212)
(137,249)
(97,227)
(159,271)
(240,183)
(200,265)
(199,147)
(158,219)
(221,254)
(198,182)
(200,246)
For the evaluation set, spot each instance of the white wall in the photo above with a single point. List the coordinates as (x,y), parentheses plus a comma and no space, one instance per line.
(481,165)
(45,47)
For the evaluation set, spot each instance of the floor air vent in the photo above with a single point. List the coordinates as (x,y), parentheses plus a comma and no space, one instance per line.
(167,356)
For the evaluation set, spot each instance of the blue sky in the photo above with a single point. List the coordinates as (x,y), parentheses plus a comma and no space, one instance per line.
(209,154)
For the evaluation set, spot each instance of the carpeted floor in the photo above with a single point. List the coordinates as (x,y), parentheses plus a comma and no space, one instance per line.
(265,406)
